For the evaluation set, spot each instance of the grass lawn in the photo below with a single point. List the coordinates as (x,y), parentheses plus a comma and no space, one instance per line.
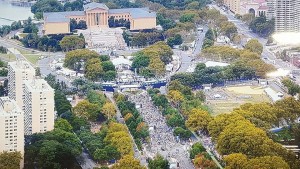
(236,97)
(22,35)
(8,57)
(32,58)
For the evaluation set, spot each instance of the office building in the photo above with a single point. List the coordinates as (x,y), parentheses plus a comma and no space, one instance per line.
(38,106)
(97,15)
(11,127)
(18,71)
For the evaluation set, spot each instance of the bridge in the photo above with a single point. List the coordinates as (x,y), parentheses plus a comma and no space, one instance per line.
(6,19)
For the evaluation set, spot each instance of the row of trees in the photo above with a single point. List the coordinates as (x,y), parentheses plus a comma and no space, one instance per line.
(28,26)
(185,4)
(151,61)
(77,25)
(214,75)
(200,157)
(173,116)
(293,88)
(248,57)
(44,43)
(142,39)
(134,121)
(54,6)
(112,22)
(112,142)
(95,107)
(6,29)
(246,131)
(54,149)
(209,39)
(96,67)
(191,115)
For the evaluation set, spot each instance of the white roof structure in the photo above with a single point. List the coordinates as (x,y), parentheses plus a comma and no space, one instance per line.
(214,64)
(121,60)
(275,96)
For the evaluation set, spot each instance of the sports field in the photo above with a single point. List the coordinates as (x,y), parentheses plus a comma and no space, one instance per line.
(233,97)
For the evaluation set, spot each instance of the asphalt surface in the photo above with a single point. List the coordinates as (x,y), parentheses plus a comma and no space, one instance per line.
(188,57)
(244,30)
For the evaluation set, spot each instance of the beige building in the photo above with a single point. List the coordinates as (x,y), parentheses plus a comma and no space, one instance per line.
(256,7)
(96,15)
(11,127)
(18,71)
(233,5)
(38,106)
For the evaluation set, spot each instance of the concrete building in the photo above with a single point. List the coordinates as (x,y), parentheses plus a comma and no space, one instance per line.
(38,106)
(97,15)
(286,14)
(242,7)
(256,7)
(18,71)
(233,5)
(11,127)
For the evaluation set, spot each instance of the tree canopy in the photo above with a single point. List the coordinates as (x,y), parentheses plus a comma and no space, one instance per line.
(10,160)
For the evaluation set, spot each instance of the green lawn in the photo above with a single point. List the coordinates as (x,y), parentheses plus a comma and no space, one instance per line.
(7,57)
(32,58)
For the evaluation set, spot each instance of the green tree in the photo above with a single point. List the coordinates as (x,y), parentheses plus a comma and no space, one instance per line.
(196,149)
(235,161)
(107,66)
(10,160)
(128,162)
(198,120)
(63,124)
(75,56)
(109,110)
(267,162)
(69,43)
(243,137)
(93,69)
(228,28)
(47,6)
(254,46)
(140,61)
(158,163)
(87,110)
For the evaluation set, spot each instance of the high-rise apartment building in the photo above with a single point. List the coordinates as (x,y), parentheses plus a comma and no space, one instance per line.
(271,9)
(233,5)
(11,127)
(286,14)
(18,71)
(38,106)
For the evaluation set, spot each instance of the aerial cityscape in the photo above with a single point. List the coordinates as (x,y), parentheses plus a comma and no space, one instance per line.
(149,84)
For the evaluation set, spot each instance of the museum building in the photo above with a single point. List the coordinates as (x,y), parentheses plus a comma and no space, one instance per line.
(96,16)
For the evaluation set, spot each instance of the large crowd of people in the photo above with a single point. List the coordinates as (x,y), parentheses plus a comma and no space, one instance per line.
(162,140)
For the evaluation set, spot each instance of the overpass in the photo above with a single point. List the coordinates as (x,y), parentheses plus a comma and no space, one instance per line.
(6,19)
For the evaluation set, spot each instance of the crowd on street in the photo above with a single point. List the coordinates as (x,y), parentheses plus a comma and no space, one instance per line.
(162,140)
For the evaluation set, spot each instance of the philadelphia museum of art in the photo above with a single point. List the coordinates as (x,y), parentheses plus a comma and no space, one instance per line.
(96,16)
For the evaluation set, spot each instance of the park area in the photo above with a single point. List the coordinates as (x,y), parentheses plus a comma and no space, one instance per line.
(225,99)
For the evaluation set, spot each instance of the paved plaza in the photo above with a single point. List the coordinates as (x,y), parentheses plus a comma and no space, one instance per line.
(162,140)
(104,39)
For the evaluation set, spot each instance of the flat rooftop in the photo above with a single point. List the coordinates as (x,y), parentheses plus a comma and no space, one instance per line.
(9,107)
(21,65)
(38,85)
